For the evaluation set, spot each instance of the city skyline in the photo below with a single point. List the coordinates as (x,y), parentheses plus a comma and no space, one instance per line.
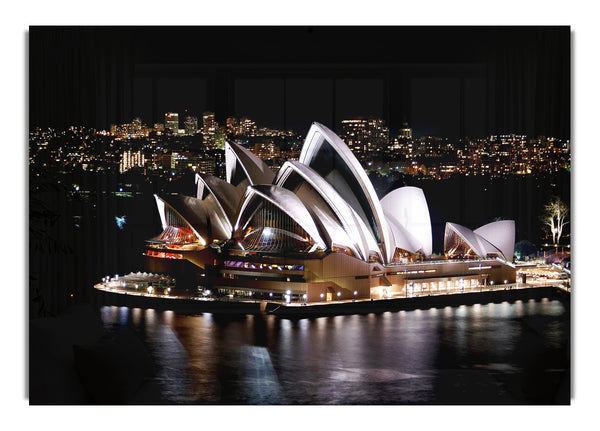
(369,140)
(495,82)
(404,130)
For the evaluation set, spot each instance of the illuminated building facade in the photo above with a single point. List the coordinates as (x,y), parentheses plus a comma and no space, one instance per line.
(365,135)
(405,131)
(172,122)
(315,230)
(209,128)
(190,125)
(131,159)
(247,127)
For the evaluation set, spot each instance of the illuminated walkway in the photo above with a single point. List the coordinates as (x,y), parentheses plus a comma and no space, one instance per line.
(119,289)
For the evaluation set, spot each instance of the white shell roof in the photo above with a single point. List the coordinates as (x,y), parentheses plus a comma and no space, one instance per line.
(407,207)
(226,195)
(254,169)
(288,202)
(501,234)
(403,239)
(346,213)
(191,210)
(480,244)
(371,212)
(363,239)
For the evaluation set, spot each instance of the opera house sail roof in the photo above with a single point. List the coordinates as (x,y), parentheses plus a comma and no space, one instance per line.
(493,239)
(322,203)
(331,158)
(408,216)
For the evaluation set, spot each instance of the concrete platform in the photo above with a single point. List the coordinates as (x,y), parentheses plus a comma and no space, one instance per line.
(193,306)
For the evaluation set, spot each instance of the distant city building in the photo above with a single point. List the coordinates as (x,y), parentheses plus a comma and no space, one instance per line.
(205,166)
(135,129)
(136,126)
(434,157)
(232,126)
(172,122)
(131,159)
(266,150)
(364,136)
(166,161)
(189,161)
(405,131)
(191,125)
(247,127)
(209,127)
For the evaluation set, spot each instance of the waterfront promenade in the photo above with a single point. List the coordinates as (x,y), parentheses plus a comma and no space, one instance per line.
(557,289)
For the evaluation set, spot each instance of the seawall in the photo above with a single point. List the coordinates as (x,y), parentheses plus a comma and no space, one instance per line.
(191,306)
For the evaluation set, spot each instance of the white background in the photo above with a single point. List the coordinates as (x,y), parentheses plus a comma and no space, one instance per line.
(580,15)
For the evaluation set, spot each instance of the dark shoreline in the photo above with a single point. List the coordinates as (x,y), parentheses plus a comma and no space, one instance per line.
(190,306)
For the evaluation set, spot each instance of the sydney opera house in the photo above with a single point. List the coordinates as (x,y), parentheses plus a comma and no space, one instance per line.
(316,231)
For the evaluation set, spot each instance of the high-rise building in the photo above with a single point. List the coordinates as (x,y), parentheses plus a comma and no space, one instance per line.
(232,126)
(191,125)
(405,131)
(247,127)
(172,122)
(131,159)
(209,127)
(136,126)
(364,136)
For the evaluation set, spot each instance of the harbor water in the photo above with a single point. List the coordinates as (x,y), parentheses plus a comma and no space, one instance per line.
(505,353)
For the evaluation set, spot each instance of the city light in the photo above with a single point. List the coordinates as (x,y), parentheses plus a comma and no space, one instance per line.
(494,155)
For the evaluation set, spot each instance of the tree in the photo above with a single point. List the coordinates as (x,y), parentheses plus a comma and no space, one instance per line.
(555,217)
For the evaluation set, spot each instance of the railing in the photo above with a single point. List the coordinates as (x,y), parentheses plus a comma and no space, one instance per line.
(562,284)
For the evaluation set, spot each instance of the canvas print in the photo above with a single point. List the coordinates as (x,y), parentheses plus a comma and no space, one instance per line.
(299,215)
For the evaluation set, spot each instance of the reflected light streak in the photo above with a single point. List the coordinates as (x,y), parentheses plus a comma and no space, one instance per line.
(337,321)
(136,316)
(150,316)
(123,315)
(169,315)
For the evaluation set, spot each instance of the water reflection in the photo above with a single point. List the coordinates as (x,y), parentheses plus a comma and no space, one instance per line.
(450,355)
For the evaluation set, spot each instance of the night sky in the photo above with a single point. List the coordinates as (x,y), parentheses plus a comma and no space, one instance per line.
(445,81)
